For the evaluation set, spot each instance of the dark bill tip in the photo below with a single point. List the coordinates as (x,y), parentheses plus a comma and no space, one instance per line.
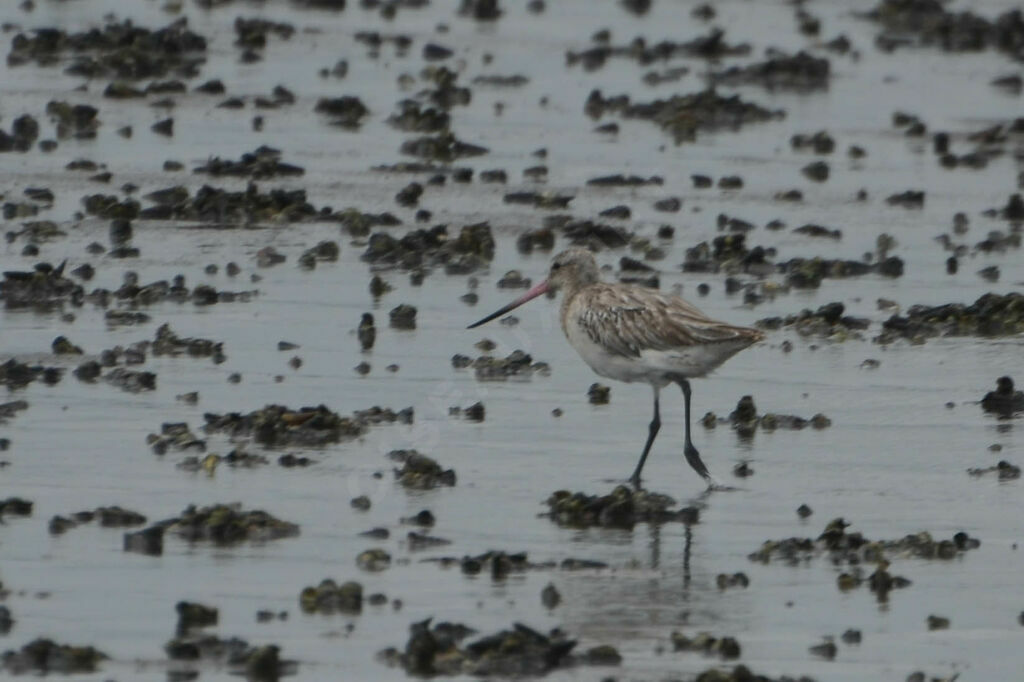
(529,295)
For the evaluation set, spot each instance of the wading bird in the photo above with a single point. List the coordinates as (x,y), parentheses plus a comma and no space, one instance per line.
(630,333)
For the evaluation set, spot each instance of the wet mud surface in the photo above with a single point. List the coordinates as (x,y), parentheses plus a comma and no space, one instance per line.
(245,433)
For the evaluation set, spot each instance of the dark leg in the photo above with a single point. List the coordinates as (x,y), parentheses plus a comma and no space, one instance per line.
(651,433)
(692,456)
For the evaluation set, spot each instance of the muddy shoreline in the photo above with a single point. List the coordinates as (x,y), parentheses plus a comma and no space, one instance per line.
(246,433)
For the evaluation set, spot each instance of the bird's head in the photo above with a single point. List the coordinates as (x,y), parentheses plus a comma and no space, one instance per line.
(570,269)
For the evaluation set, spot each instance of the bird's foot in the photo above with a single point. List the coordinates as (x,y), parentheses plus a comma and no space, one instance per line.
(716,486)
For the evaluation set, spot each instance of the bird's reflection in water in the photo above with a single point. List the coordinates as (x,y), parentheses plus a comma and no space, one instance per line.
(654,532)
(656,583)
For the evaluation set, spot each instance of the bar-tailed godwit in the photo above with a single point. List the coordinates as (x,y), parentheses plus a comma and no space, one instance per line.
(630,333)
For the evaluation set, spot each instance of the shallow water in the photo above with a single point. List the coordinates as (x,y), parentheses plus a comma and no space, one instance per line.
(893,462)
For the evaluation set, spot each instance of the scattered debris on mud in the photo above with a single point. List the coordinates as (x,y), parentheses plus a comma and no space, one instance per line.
(192,615)
(726,648)
(328,597)
(373,560)
(516,365)
(108,517)
(745,419)
(711,46)
(10,410)
(277,426)
(742,673)
(1003,470)
(118,50)
(44,656)
(221,207)
(474,413)
(599,394)
(828,322)
(730,253)
(260,164)
(992,315)
(47,288)
(624,507)
(221,524)
(42,287)
(521,651)
(853,550)
(343,112)
(420,472)
(471,250)
(191,649)
(683,116)
(930,24)
(149,157)
(15,506)
(499,564)
(839,545)
(1005,401)
(15,374)
(800,72)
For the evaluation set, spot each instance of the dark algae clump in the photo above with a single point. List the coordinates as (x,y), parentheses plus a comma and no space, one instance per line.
(108,517)
(745,420)
(726,648)
(992,315)
(420,472)
(118,50)
(624,507)
(445,649)
(329,597)
(220,524)
(859,555)
(43,656)
(471,249)
(1005,401)
(684,116)
(279,426)
(228,524)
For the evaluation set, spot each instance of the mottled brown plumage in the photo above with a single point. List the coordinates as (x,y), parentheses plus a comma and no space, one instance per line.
(628,320)
(631,333)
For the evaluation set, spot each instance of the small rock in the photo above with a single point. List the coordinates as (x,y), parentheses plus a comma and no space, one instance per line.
(1005,400)
(602,655)
(826,649)
(403,317)
(599,394)
(164,127)
(373,560)
(851,636)
(551,598)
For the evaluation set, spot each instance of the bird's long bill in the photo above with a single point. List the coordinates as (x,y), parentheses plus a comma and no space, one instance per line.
(528,296)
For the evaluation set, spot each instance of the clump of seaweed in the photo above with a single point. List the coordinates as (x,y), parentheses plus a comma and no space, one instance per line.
(470,250)
(992,315)
(43,656)
(518,652)
(118,50)
(683,116)
(624,507)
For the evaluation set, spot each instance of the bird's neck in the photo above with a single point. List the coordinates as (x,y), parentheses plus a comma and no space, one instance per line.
(569,293)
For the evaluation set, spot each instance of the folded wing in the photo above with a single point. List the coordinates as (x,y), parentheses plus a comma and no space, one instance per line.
(629,320)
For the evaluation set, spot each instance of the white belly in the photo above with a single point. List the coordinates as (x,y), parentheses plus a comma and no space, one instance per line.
(655,367)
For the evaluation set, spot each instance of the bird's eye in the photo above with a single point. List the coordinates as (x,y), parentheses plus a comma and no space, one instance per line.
(555,266)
